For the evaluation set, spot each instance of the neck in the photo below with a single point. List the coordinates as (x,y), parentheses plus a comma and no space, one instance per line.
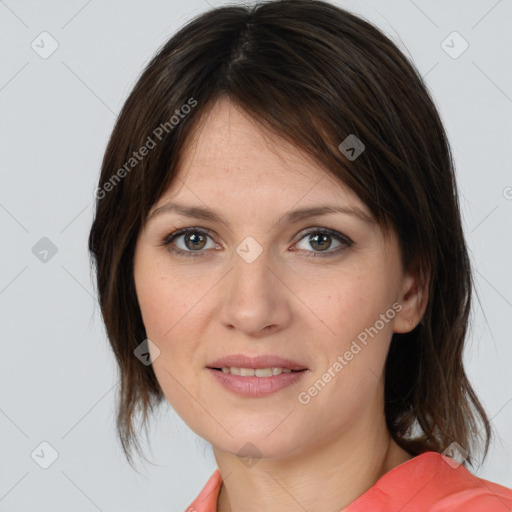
(338,471)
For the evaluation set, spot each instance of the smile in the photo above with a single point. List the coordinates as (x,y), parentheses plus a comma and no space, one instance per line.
(254,383)
(255,372)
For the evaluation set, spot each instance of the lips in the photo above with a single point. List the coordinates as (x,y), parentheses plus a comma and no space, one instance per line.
(260,361)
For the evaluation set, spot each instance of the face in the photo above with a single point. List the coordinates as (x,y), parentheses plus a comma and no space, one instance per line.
(256,281)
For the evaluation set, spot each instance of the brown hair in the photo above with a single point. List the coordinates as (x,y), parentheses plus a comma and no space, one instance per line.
(313,74)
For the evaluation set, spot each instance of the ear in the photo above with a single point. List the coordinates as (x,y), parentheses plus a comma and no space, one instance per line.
(413,299)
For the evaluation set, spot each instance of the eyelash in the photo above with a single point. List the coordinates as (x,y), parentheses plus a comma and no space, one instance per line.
(167,241)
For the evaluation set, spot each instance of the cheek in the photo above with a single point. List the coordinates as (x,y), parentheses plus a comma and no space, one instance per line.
(173,304)
(154,301)
(344,303)
(165,298)
(167,309)
(349,309)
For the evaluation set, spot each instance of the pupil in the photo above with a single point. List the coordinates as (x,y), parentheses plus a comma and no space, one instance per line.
(324,238)
(195,239)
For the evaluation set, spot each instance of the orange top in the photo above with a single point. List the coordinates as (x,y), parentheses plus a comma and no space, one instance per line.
(425,483)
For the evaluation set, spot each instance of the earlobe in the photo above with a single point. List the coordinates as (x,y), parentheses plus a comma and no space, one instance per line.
(413,300)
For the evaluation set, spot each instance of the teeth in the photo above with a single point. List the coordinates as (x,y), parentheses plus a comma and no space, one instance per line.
(259,372)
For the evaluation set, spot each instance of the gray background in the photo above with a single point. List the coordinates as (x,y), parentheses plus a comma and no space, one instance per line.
(58,377)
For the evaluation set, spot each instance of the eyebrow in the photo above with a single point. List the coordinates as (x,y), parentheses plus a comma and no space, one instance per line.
(294,216)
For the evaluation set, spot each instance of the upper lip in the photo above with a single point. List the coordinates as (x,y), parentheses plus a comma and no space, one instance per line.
(261,361)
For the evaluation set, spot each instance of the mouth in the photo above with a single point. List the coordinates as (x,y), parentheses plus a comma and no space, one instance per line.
(259,365)
(256,372)
(256,382)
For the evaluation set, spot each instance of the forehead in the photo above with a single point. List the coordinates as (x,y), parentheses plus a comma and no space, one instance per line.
(230,157)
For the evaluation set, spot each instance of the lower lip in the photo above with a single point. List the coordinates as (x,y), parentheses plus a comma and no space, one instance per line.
(256,386)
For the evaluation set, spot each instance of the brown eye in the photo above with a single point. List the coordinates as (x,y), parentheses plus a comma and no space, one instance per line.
(194,241)
(322,239)
(189,242)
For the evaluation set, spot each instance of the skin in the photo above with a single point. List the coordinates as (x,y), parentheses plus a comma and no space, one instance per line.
(317,456)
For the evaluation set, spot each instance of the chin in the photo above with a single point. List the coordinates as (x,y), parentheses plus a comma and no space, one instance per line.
(257,446)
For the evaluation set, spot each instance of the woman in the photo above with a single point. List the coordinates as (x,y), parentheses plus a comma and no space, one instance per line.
(280,256)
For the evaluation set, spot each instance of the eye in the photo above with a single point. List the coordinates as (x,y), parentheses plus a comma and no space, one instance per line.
(194,240)
(321,239)
(192,243)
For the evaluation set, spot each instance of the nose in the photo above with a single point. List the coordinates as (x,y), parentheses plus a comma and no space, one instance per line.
(254,296)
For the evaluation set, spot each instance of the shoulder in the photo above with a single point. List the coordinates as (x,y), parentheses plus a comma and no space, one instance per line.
(431,482)
(451,487)
(473,494)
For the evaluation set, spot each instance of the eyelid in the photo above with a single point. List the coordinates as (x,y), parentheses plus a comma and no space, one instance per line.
(182,231)
(333,232)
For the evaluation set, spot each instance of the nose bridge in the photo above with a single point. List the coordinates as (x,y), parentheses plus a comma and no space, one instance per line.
(250,276)
(252,299)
